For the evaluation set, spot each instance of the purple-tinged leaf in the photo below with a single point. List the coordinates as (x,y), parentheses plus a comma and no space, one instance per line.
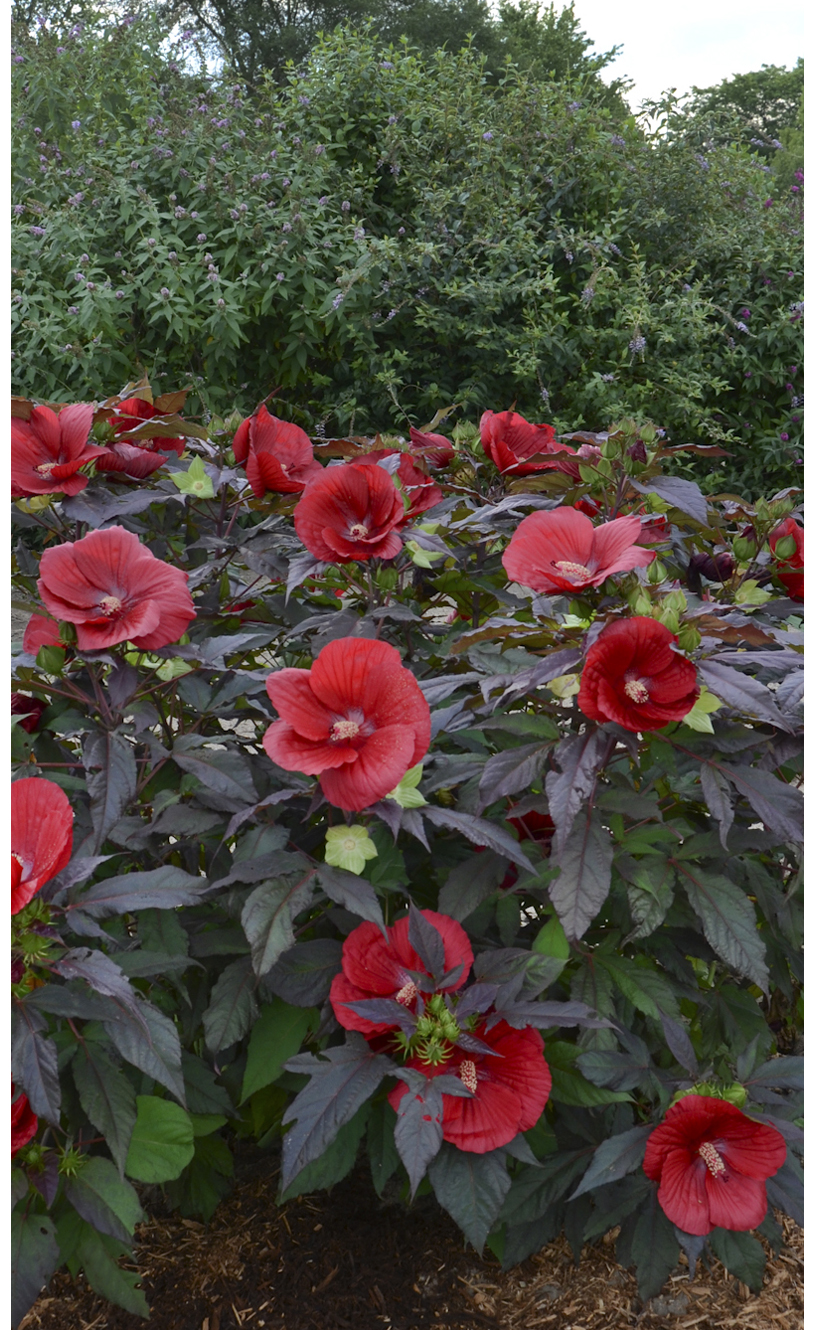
(791,692)
(232,1008)
(352,892)
(580,758)
(413,824)
(519,1149)
(476,999)
(554,664)
(418,1130)
(78,870)
(561,1014)
(728,919)
(472,1188)
(793,1134)
(385,1011)
(157,889)
(99,971)
(302,976)
(692,1245)
(104,1199)
(614,1158)
(437,689)
(785,1072)
(679,1044)
(106,1096)
(717,795)
(34,1062)
(122,683)
(682,494)
(510,771)
(301,567)
(389,812)
(583,883)
(95,506)
(280,796)
(35,1256)
(779,805)
(156,1052)
(480,832)
(110,766)
(269,913)
(341,1080)
(427,942)
(786,1191)
(220,769)
(470,883)
(470,1044)
(47,1180)
(742,692)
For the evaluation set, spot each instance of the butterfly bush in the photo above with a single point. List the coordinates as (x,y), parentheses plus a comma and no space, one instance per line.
(426,799)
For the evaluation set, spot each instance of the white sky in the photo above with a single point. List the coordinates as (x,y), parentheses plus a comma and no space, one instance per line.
(678,43)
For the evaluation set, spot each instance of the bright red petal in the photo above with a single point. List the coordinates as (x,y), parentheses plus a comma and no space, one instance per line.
(738,1204)
(381,764)
(683,1195)
(294,753)
(41,834)
(291,694)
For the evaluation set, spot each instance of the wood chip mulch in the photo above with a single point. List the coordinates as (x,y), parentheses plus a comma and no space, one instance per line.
(346,1261)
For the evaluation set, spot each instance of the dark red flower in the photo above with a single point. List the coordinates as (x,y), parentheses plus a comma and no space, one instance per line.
(30,708)
(376,967)
(115,590)
(47,450)
(510,441)
(562,551)
(40,632)
(41,836)
(435,448)
(588,506)
(134,411)
(653,530)
(791,567)
(357,718)
(634,676)
(279,456)
(712,1162)
(509,1090)
(534,826)
(24,1123)
(129,460)
(351,513)
(418,488)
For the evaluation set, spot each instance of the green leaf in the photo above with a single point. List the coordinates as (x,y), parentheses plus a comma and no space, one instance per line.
(99,1256)
(699,716)
(569,1086)
(34,1258)
(232,1008)
(729,921)
(741,1255)
(104,1199)
(472,1188)
(649,991)
(276,1036)
(406,794)
(650,891)
(162,1141)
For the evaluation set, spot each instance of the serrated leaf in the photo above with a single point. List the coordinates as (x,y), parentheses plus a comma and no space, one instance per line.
(654,1249)
(150,1043)
(583,883)
(276,1035)
(579,757)
(682,494)
(352,892)
(534,1190)
(614,1158)
(470,883)
(741,1255)
(302,976)
(382,1152)
(786,1072)
(742,692)
(34,1062)
(106,1096)
(650,892)
(269,913)
(110,767)
(779,805)
(717,795)
(647,990)
(418,1129)
(104,1199)
(232,1008)
(341,1080)
(34,1258)
(729,921)
(335,1162)
(480,832)
(157,888)
(512,770)
(472,1188)
(219,769)
(162,1141)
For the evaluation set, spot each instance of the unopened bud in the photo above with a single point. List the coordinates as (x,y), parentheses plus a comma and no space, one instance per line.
(688,637)
(669,618)
(785,548)
(656,572)
(637,452)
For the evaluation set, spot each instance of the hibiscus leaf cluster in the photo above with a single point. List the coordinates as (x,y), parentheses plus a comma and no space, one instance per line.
(424,802)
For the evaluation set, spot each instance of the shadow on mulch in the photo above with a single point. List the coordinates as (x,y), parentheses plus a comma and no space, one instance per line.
(345,1261)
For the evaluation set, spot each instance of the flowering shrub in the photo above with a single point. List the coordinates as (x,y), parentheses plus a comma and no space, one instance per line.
(448,820)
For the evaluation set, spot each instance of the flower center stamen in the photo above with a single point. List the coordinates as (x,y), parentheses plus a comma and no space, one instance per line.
(110,605)
(343,730)
(712,1160)
(407,994)
(636,690)
(358,531)
(46,468)
(467,1075)
(574,572)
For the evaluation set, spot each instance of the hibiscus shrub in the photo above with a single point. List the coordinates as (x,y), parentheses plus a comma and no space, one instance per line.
(433,800)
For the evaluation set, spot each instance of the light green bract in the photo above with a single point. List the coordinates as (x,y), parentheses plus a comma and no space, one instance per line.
(194,480)
(698,717)
(406,793)
(349,848)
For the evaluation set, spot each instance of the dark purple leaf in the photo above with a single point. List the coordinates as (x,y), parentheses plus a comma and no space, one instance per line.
(156,1051)
(785,1072)
(269,913)
(352,892)
(779,805)
(580,758)
(95,506)
(280,796)
(106,1096)
(742,692)
(728,919)
(47,1180)
(98,970)
(583,883)
(158,888)
(717,795)
(426,941)
(437,689)
(786,1192)
(35,1256)
(220,769)
(692,1245)
(477,998)
(480,832)
(385,1011)
(301,567)
(91,1192)
(470,883)
(614,1158)
(413,824)
(302,975)
(232,1008)
(110,766)
(546,1014)
(122,683)
(682,494)
(418,1129)
(78,870)
(390,812)
(512,770)
(472,1188)
(791,692)
(470,1044)
(679,1044)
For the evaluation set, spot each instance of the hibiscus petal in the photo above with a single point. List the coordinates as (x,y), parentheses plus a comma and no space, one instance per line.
(683,1194)
(381,764)
(75,425)
(483,1123)
(342,990)
(737,1204)
(291,694)
(41,834)
(371,963)
(294,753)
(137,623)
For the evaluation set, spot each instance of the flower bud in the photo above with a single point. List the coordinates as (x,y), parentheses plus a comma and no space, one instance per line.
(688,638)
(785,548)
(637,452)
(656,572)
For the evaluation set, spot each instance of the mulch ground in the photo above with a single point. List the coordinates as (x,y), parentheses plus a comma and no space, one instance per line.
(345,1261)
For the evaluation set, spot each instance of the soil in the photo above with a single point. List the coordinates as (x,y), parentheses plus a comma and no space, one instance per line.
(345,1261)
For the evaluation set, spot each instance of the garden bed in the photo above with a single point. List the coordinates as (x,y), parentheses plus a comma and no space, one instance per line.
(333,1261)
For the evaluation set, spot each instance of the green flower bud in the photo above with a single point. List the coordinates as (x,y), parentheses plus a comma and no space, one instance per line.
(744,548)
(785,548)
(688,637)
(656,572)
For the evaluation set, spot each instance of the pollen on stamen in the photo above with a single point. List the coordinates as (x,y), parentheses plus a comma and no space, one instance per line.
(467,1075)
(636,690)
(575,572)
(110,604)
(45,468)
(358,531)
(712,1160)
(407,994)
(343,730)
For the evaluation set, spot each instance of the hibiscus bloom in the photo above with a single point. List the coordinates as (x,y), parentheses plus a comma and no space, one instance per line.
(40,632)
(129,460)
(48,449)
(24,1122)
(376,967)
(562,551)
(510,441)
(633,675)
(278,455)
(420,491)
(30,708)
(41,836)
(115,590)
(653,530)
(509,1090)
(435,448)
(351,513)
(791,568)
(135,411)
(712,1161)
(357,718)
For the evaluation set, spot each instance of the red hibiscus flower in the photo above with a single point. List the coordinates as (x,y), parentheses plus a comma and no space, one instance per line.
(509,1090)
(129,460)
(351,513)
(24,1123)
(357,718)
(435,448)
(534,826)
(134,411)
(41,836)
(47,450)
(115,590)
(634,676)
(562,551)
(30,708)
(712,1163)
(40,632)
(588,506)
(509,440)
(374,967)
(420,491)
(279,456)
(653,530)
(791,567)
